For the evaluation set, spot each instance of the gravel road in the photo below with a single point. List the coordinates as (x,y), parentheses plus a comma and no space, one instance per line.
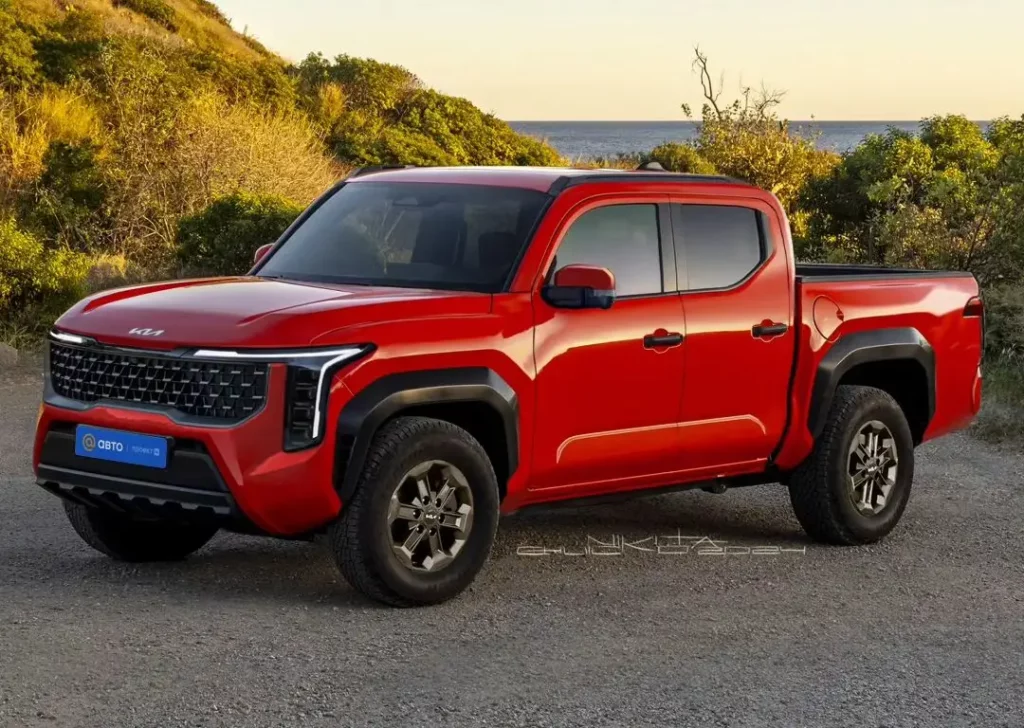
(738,621)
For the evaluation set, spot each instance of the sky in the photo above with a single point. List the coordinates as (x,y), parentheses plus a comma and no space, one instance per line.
(631,59)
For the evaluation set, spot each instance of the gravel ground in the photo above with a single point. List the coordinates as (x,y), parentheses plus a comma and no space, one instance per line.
(739,621)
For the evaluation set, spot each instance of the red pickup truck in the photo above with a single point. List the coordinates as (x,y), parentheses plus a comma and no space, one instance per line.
(424,349)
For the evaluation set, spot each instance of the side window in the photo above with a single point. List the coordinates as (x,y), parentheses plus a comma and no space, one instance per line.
(720,245)
(622,238)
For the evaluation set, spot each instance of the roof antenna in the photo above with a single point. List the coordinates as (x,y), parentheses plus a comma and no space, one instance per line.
(651,167)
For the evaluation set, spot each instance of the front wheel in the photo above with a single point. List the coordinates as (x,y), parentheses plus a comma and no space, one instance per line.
(855,484)
(422,520)
(125,538)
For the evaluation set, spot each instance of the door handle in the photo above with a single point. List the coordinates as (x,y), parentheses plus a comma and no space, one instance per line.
(762,330)
(658,341)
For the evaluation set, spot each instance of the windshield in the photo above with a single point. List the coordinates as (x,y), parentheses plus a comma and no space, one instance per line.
(446,236)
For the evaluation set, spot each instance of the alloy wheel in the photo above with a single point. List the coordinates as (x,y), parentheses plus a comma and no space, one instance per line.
(872,467)
(430,516)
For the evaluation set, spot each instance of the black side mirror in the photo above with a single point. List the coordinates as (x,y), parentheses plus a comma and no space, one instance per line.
(581,286)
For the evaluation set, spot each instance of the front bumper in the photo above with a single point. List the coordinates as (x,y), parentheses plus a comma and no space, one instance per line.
(239,473)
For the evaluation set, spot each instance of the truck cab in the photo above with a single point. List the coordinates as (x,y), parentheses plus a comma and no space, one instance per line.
(424,349)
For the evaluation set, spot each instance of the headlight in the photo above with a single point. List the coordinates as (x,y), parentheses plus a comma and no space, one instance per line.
(308,386)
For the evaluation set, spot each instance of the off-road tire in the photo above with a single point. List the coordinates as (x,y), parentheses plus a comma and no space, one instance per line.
(125,538)
(359,540)
(819,488)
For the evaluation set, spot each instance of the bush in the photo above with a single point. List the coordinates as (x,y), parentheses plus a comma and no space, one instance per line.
(676,157)
(36,285)
(18,65)
(222,239)
(379,113)
(71,48)
(1004,320)
(175,148)
(156,10)
(29,125)
(68,203)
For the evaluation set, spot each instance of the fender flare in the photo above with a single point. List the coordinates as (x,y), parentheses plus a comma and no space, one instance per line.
(864,347)
(363,415)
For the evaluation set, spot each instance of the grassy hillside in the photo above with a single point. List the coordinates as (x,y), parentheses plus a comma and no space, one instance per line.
(122,120)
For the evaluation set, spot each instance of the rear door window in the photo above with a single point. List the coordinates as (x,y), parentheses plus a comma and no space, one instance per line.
(717,246)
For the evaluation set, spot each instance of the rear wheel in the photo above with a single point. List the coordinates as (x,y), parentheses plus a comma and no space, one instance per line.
(854,486)
(125,538)
(421,523)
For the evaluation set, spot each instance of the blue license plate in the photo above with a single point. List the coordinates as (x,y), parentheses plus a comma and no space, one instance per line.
(121,447)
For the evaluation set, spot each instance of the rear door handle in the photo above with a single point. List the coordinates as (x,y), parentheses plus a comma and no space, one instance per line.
(658,341)
(761,330)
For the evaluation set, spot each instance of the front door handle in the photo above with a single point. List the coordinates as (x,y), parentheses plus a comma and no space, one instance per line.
(769,329)
(660,341)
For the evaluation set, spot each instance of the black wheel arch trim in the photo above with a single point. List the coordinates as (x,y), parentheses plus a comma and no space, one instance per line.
(865,347)
(363,415)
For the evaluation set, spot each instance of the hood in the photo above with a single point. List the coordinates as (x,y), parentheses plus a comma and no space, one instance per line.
(254,312)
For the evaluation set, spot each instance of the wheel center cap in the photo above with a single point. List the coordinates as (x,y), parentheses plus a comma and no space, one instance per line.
(431,515)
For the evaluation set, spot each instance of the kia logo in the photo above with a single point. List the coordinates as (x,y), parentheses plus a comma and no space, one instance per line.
(146,332)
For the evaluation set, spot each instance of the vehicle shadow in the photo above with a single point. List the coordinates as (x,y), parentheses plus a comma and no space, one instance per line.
(251,570)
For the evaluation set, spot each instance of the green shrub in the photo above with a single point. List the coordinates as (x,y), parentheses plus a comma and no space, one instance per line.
(72,48)
(222,239)
(379,113)
(677,157)
(18,64)
(68,203)
(36,284)
(156,10)
(1004,321)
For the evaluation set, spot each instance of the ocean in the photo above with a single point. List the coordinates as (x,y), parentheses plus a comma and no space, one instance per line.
(588,139)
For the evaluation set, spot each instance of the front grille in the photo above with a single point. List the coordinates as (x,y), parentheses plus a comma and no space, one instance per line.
(211,390)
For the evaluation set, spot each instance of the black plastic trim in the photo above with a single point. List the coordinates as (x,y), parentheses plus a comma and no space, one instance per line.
(858,272)
(861,348)
(189,463)
(644,176)
(367,411)
(100,490)
(374,168)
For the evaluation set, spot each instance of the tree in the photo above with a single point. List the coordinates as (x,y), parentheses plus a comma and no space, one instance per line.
(746,139)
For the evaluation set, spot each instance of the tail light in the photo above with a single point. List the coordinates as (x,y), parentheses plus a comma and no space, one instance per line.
(975,308)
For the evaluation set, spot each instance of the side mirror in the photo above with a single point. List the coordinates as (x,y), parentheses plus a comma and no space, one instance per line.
(262,251)
(581,286)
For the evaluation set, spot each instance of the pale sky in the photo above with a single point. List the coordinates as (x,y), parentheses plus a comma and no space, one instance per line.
(630,59)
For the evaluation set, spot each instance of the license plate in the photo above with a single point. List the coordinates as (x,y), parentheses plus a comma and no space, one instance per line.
(121,447)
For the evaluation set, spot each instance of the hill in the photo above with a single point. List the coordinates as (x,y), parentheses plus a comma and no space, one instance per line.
(120,119)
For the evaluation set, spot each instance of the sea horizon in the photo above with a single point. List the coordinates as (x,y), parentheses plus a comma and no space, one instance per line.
(606,138)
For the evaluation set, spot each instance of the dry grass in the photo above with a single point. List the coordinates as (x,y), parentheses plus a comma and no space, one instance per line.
(29,124)
(194,26)
(1002,411)
(205,147)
